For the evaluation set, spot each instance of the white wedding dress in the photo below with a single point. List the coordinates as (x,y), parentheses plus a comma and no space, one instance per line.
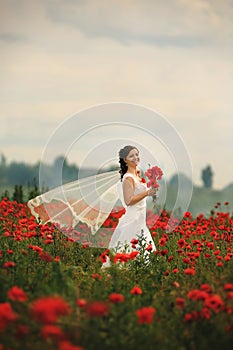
(132,224)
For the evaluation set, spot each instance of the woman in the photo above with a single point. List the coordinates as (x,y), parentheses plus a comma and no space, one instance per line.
(90,201)
(134,193)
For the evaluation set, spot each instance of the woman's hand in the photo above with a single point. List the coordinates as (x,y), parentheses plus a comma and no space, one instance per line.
(152,192)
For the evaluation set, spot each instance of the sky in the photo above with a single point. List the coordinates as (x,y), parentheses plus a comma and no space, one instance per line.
(174,57)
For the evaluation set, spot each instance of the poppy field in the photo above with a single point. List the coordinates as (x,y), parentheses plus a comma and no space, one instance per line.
(54,294)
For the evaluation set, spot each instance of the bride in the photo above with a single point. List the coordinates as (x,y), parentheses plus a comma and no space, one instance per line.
(89,201)
(133,223)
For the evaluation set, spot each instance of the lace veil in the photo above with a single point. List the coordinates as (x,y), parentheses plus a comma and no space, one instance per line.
(79,208)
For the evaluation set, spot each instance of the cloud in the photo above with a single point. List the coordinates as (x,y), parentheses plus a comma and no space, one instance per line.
(174,23)
(58,57)
(11,38)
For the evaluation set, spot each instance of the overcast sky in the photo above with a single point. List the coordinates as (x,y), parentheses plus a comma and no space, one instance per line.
(175,57)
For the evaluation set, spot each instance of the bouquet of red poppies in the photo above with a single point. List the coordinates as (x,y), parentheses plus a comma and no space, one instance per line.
(154,174)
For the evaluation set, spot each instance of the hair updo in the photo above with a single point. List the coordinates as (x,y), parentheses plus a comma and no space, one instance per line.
(122,155)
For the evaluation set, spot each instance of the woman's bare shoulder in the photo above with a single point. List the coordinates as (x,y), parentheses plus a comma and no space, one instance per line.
(128,178)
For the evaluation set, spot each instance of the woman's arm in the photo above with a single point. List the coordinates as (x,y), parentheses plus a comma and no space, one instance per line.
(128,192)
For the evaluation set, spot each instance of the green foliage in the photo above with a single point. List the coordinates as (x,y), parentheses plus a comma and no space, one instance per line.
(47,263)
(207,177)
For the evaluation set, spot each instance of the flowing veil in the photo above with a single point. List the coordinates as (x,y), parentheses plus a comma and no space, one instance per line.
(79,208)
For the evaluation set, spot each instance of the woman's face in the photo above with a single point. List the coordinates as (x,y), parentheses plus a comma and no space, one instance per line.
(132,158)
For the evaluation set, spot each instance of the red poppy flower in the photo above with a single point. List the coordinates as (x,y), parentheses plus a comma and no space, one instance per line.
(51,331)
(49,309)
(196,294)
(7,315)
(98,309)
(66,345)
(162,241)
(116,298)
(145,314)
(16,293)
(230,295)
(81,303)
(176,284)
(228,286)
(175,270)
(8,264)
(136,290)
(149,247)
(180,303)
(205,313)
(214,302)
(134,241)
(134,254)
(190,271)
(154,174)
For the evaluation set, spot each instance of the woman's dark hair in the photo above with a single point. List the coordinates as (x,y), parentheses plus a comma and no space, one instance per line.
(122,155)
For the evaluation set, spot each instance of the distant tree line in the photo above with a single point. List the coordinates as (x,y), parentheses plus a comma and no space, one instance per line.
(24,174)
(21,174)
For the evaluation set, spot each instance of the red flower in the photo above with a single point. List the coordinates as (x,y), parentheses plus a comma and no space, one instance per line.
(187,214)
(175,270)
(16,293)
(190,271)
(149,248)
(176,284)
(96,276)
(98,309)
(66,345)
(188,318)
(181,243)
(228,286)
(104,255)
(22,330)
(193,316)
(205,313)
(49,309)
(116,298)
(154,174)
(180,303)
(145,314)
(206,287)
(81,303)
(51,331)
(214,302)
(121,257)
(133,254)
(8,264)
(46,257)
(7,315)
(162,241)
(163,252)
(230,295)
(196,294)
(186,261)
(134,241)
(136,290)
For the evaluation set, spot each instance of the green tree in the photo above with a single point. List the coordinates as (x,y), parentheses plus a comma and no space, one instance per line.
(18,194)
(207,177)
(3,170)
